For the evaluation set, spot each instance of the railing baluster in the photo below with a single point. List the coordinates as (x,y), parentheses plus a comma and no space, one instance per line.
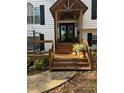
(34,39)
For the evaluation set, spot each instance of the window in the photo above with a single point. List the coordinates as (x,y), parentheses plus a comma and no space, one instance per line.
(94,39)
(94,9)
(35,15)
(29,13)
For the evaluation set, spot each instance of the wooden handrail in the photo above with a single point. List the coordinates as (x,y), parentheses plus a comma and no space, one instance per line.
(51,56)
(88,54)
(89,60)
(89,51)
(38,41)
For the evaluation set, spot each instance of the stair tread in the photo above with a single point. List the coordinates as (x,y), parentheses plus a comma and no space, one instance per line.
(71,68)
(70,62)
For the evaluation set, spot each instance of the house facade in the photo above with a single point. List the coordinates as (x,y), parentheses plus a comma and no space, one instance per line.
(63,21)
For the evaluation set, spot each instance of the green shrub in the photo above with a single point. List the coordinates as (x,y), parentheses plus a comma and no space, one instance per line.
(94,54)
(40,64)
(46,61)
(29,62)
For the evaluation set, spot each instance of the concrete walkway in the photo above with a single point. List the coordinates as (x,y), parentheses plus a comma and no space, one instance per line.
(46,80)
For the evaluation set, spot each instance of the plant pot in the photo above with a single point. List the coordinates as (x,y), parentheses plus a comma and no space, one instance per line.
(78,53)
(81,53)
(74,53)
(81,56)
(84,53)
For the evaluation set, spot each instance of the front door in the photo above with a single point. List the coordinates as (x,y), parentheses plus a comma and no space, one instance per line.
(67,32)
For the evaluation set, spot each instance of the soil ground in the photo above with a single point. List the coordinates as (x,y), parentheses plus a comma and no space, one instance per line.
(83,82)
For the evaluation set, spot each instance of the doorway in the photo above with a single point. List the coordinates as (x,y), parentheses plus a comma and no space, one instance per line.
(67,32)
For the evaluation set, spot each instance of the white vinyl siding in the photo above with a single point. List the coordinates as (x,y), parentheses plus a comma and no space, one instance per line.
(88,23)
(48,28)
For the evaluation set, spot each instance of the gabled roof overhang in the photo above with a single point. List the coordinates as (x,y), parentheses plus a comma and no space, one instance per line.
(68,5)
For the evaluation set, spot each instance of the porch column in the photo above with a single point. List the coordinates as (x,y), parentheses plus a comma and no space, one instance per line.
(81,23)
(56,27)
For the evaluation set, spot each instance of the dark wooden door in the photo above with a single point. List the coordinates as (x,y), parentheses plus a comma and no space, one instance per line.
(67,32)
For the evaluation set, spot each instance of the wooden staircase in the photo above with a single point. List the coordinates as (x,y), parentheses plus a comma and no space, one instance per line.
(64,48)
(69,62)
(65,60)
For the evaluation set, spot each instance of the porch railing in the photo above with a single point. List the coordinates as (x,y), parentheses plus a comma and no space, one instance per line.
(36,55)
(89,54)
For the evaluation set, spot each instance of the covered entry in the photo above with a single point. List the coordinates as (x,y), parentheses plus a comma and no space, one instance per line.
(68,17)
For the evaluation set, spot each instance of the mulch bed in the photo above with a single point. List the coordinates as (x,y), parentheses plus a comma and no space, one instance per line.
(83,82)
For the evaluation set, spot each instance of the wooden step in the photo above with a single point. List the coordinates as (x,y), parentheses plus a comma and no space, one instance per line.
(70,64)
(63,52)
(69,58)
(70,68)
(64,45)
(64,48)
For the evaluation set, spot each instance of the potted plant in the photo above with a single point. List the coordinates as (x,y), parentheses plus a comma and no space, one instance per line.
(79,49)
(83,50)
(76,48)
(74,52)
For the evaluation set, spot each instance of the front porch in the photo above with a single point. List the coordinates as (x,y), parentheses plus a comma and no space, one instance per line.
(68,24)
(68,20)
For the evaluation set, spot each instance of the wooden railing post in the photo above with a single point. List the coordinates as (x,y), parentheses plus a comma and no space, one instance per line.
(89,61)
(89,55)
(34,39)
(50,56)
(52,49)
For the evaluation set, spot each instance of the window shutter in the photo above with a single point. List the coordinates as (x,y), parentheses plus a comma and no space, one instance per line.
(42,15)
(94,9)
(89,39)
(42,46)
